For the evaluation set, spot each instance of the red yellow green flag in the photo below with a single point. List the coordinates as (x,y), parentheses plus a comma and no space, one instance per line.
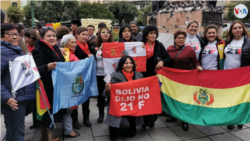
(208,98)
(41,108)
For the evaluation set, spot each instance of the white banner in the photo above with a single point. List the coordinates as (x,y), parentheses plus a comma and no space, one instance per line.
(23,72)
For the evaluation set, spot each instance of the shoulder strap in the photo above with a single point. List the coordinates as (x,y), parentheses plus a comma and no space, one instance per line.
(179,53)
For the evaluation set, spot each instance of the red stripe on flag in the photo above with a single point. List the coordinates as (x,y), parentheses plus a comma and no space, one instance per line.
(113,50)
(140,63)
(42,104)
(220,79)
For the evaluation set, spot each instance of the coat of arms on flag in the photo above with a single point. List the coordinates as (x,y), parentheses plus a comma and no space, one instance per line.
(78,86)
(112,52)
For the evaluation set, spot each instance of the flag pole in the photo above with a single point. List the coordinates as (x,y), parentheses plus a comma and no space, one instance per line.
(46,107)
(12,93)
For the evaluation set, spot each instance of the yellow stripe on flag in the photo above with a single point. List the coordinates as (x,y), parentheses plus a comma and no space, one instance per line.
(219,98)
(39,110)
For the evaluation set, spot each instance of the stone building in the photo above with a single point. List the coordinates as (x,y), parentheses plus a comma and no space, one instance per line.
(4,4)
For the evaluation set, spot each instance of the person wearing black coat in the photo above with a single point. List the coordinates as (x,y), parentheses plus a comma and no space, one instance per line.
(46,54)
(237,50)
(157,57)
(83,50)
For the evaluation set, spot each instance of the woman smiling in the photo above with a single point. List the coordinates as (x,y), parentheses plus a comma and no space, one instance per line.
(212,54)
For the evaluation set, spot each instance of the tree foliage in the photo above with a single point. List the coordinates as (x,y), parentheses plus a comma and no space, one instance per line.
(14,14)
(94,10)
(27,12)
(123,10)
(230,15)
(142,17)
(70,10)
(52,10)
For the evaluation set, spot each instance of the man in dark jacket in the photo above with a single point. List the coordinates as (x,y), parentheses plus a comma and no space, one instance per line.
(91,30)
(134,28)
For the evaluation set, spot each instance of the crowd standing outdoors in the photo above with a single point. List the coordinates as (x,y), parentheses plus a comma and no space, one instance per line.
(190,51)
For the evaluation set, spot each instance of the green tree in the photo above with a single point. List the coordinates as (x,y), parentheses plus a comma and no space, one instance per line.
(123,10)
(94,10)
(69,10)
(52,10)
(230,14)
(14,14)
(142,17)
(27,12)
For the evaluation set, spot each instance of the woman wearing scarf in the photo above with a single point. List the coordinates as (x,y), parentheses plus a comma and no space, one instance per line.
(69,43)
(125,124)
(31,37)
(103,36)
(46,55)
(83,50)
(157,57)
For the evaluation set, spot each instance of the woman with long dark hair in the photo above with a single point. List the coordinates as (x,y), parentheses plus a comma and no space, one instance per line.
(103,36)
(46,55)
(125,124)
(237,50)
(125,34)
(211,56)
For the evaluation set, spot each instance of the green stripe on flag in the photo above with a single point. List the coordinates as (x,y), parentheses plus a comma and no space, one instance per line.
(39,117)
(206,116)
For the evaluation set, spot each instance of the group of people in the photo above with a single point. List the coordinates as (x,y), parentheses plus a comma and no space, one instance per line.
(190,51)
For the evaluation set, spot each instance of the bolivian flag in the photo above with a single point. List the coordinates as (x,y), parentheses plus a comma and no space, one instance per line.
(208,98)
(40,94)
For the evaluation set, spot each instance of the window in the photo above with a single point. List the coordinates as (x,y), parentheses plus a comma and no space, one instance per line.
(14,4)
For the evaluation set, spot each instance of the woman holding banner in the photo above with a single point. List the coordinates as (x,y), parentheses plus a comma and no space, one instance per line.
(103,36)
(68,41)
(83,50)
(183,57)
(157,57)
(211,56)
(125,124)
(46,55)
(237,50)
(13,109)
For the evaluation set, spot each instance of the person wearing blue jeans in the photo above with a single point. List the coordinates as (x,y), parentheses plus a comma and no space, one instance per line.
(13,109)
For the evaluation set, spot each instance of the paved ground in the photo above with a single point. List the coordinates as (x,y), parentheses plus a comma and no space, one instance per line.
(161,132)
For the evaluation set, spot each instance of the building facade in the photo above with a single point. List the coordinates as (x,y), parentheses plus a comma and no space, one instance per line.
(138,3)
(4,4)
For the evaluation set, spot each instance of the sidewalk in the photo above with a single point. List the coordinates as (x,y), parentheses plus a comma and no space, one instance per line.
(161,132)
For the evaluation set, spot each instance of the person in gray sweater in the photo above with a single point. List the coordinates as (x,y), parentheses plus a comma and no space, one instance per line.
(126,125)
